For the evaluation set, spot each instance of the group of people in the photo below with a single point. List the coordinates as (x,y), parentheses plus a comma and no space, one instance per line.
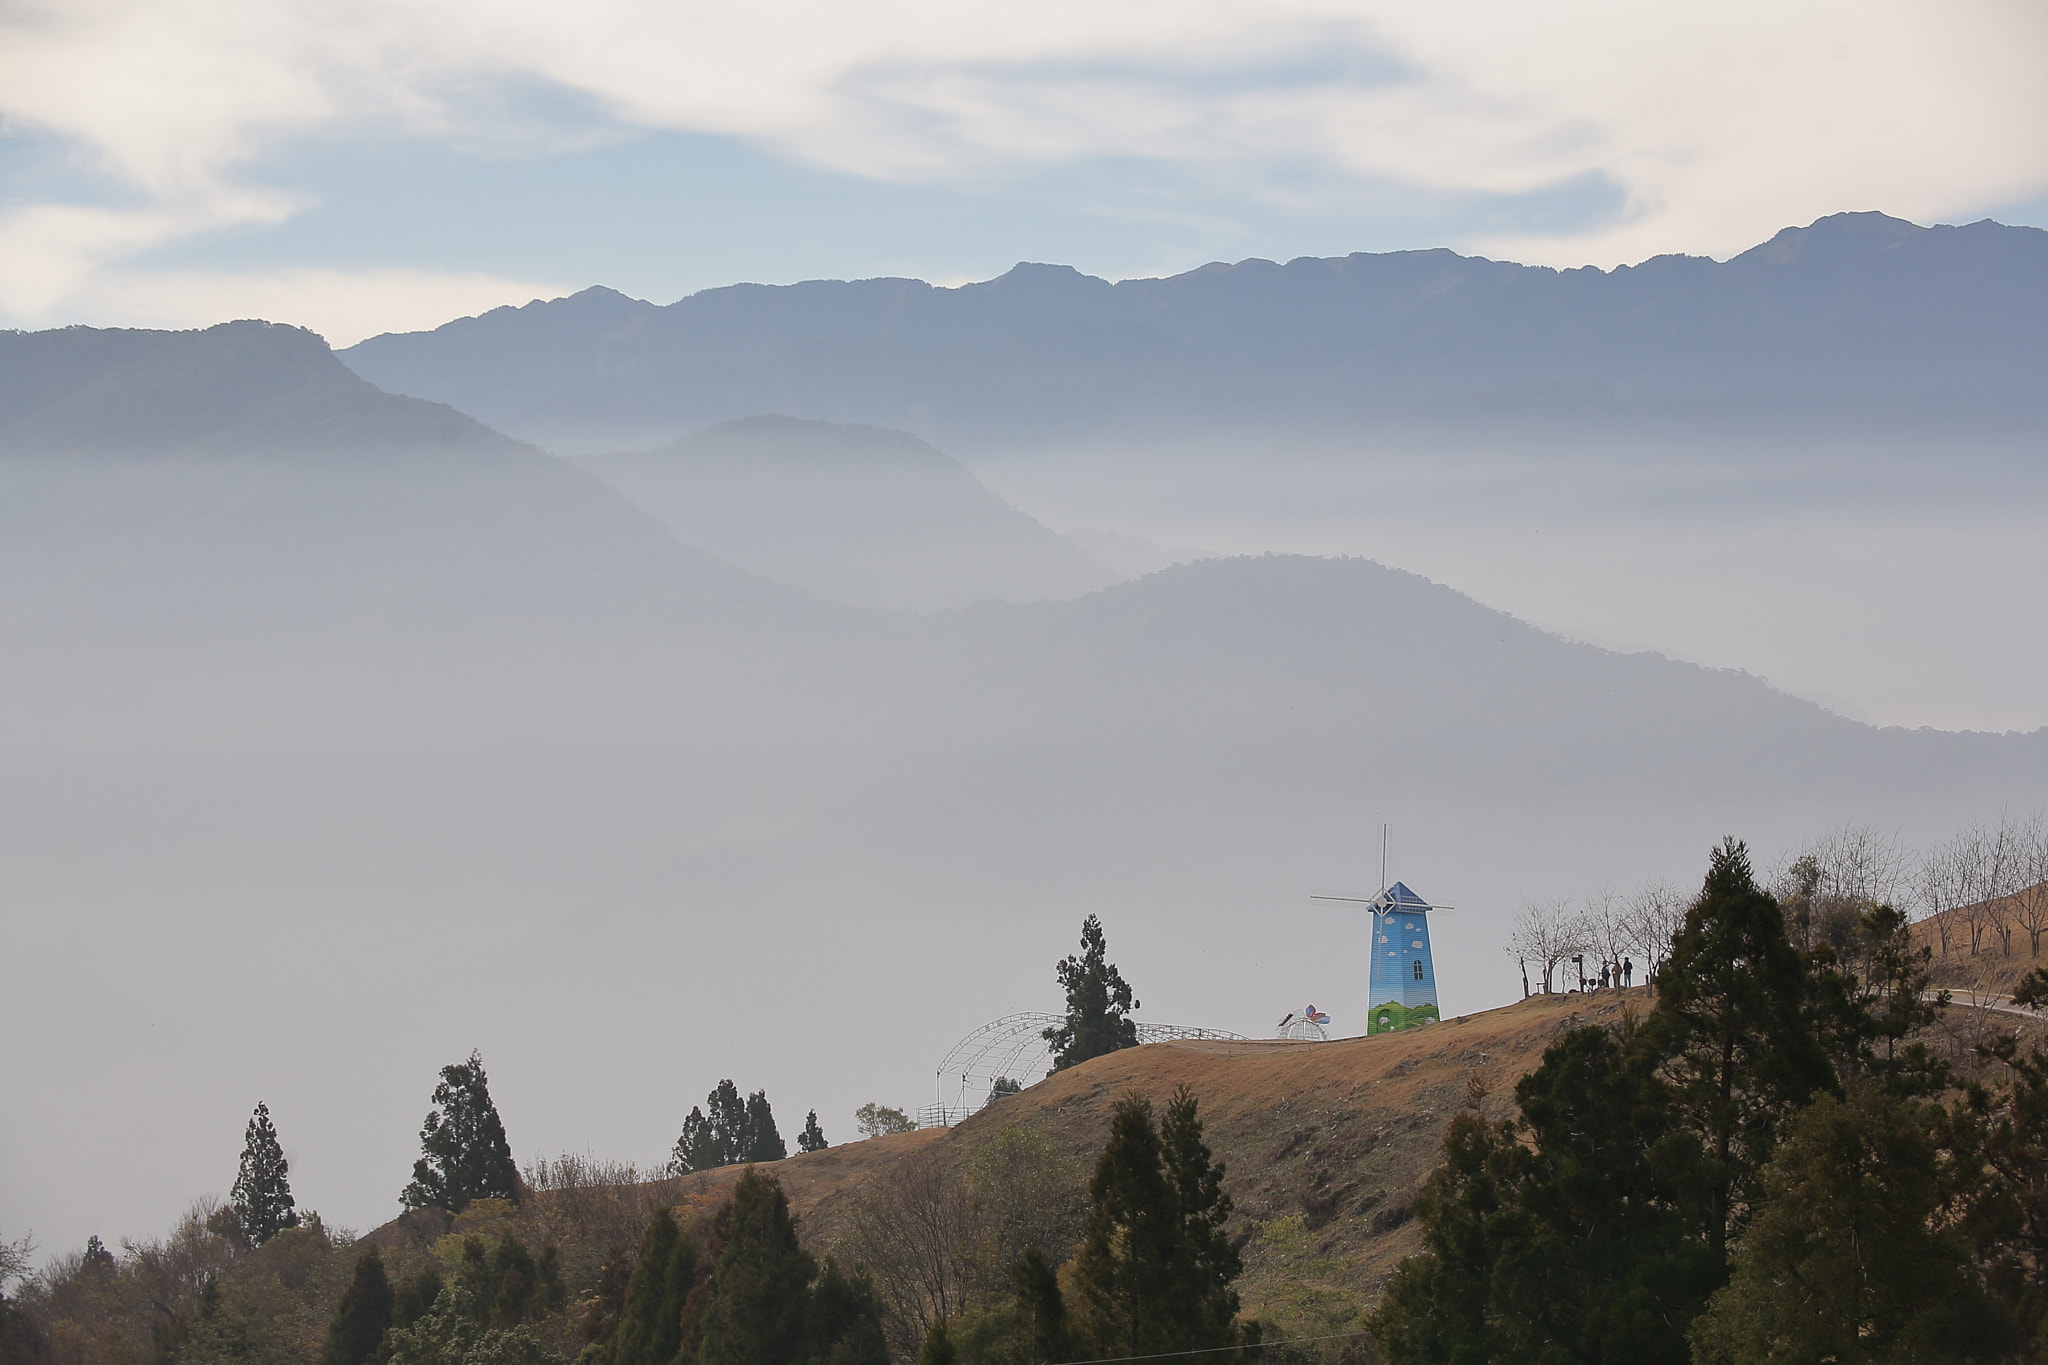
(1621,974)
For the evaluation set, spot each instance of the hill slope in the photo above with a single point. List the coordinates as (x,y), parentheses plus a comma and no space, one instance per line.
(1856,323)
(242,473)
(1325,1145)
(860,515)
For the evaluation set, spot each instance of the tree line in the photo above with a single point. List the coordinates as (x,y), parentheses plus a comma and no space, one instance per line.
(565,1276)
(1769,1165)
(1985,889)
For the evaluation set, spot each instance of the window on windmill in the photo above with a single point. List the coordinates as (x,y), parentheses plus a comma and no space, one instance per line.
(1418,969)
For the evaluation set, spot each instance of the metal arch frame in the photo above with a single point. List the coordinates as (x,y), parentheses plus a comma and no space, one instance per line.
(1004,1047)
(1303,1031)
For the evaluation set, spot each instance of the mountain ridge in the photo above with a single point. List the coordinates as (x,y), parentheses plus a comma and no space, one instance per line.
(1849,319)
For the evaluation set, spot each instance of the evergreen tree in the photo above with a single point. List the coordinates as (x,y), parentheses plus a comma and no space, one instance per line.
(1041,1311)
(760,1302)
(516,1282)
(262,1194)
(1576,1234)
(650,1330)
(1152,1274)
(1846,1259)
(728,1122)
(474,1278)
(1871,997)
(1732,1025)
(553,1294)
(697,1149)
(1098,1001)
(761,1140)
(812,1138)
(846,1319)
(938,1347)
(465,1154)
(414,1299)
(357,1331)
(734,1131)
(1207,1263)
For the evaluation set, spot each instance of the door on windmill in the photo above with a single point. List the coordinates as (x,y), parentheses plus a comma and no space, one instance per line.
(1403,977)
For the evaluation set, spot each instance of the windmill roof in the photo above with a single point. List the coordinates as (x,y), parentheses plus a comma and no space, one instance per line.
(1399,894)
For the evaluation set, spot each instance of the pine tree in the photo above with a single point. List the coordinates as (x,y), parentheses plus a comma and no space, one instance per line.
(262,1195)
(938,1347)
(364,1315)
(1098,1001)
(812,1138)
(1731,1022)
(413,1299)
(846,1319)
(1122,1267)
(1207,1263)
(515,1282)
(733,1131)
(728,1122)
(1041,1311)
(465,1154)
(1848,1258)
(650,1330)
(760,1301)
(1577,1232)
(697,1149)
(762,1141)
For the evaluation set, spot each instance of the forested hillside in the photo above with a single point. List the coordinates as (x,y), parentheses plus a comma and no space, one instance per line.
(1351,1200)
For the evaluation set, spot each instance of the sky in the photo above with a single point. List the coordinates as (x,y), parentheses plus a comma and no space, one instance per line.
(390,164)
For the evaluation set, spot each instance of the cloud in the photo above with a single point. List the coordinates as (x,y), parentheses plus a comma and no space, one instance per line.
(1718,124)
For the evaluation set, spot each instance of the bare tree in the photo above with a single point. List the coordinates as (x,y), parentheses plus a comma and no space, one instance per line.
(1971,876)
(1654,913)
(17,1262)
(2030,874)
(1605,920)
(917,1231)
(1862,863)
(1546,933)
(172,1272)
(593,1203)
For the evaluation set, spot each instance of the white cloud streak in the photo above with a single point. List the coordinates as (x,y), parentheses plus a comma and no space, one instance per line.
(1718,123)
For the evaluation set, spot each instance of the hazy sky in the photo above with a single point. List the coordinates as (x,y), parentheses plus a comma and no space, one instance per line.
(388,164)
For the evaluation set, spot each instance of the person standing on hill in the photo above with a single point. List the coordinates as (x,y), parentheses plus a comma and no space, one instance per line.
(1628,971)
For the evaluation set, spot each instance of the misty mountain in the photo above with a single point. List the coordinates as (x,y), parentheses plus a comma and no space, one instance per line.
(489,760)
(1856,324)
(178,476)
(860,515)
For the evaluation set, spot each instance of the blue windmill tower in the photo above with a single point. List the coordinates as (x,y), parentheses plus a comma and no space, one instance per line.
(1402,983)
(1401,980)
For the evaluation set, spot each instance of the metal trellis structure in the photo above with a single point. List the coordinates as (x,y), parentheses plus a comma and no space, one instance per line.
(1014,1048)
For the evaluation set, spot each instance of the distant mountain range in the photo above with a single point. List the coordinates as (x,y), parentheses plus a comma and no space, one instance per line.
(1859,323)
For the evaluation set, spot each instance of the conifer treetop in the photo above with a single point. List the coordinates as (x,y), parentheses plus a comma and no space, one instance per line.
(464,1153)
(1099,1002)
(262,1193)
